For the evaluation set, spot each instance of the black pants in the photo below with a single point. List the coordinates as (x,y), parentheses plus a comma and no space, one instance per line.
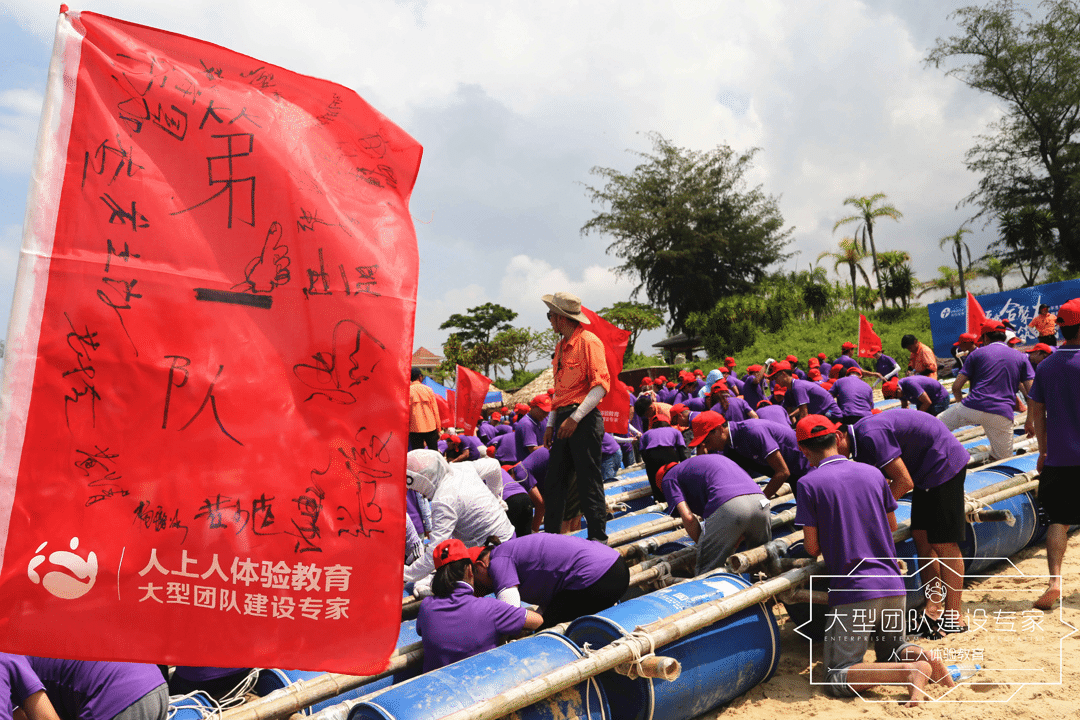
(1050,340)
(602,594)
(418,440)
(519,510)
(656,458)
(579,453)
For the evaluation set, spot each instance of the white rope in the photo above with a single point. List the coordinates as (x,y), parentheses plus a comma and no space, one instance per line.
(213,707)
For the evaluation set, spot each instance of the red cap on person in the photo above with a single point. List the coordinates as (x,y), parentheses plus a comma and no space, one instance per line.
(669,385)
(703,424)
(779,367)
(763,403)
(541,401)
(822,357)
(813,374)
(813,362)
(664,471)
(452,550)
(729,362)
(698,373)
(491,451)
(496,416)
(661,380)
(1014,341)
(780,390)
(1069,313)
(719,385)
(813,426)
(891,388)
(522,407)
(551,392)
(725,370)
(854,371)
(753,368)
(792,359)
(660,415)
(848,346)
(834,371)
(456,439)
(992,326)
(678,408)
(1041,347)
(646,381)
(966,337)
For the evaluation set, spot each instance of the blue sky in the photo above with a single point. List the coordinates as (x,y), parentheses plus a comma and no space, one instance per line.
(514,103)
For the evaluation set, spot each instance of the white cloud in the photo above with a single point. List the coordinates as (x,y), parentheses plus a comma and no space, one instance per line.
(19,112)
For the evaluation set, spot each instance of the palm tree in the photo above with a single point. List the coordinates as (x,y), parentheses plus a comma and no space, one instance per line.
(947,279)
(994,267)
(957,248)
(899,277)
(851,255)
(866,214)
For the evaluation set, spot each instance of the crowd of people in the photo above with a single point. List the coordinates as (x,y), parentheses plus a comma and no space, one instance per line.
(703,437)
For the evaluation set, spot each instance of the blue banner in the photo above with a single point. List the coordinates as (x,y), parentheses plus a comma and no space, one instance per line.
(948,319)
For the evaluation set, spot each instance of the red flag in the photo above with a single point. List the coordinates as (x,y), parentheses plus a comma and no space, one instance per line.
(975,316)
(205,399)
(451,409)
(472,388)
(869,342)
(615,406)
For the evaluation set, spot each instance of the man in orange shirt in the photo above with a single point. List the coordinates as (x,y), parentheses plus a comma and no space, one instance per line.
(923,361)
(424,420)
(575,428)
(1045,325)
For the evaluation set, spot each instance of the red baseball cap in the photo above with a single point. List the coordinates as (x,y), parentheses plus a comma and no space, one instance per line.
(678,408)
(854,371)
(813,426)
(792,359)
(891,388)
(992,326)
(551,392)
(661,380)
(753,368)
(822,356)
(966,337)
(1014,340)
(698,373)
(1041,347)
(452,550)
(669,385)
(719,385)
(496,416)
(848,346)
(660,415)
(491,451)
(541,401)
(456,439)
(522,407)
(1069,313)
(703,424)
(724,370)
(813,362)
(779,367)
(780,390)
(664,471)
(763,403)
(814,374)
(729,362)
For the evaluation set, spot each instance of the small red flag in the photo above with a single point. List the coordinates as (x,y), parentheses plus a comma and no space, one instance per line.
(975,316)
(451,404)
(615,407)
(472,388)
(869,342)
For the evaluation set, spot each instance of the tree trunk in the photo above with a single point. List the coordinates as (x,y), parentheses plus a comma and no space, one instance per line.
(873,254)
(958,254)
(854,289)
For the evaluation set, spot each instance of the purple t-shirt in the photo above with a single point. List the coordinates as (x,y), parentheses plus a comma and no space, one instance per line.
(502,429)
(511,487)
(485,430)
(1057,385)
(774,414)
(609,445)
(195,674)
(528,433)
(532,471)
(799,373)
(844,361)
(735,384)
(930,452)
(543,564)
(758,439)
(995,372)
(849,503)
(17,682)
(91,690)
(853,396)
(697,404)
(825,368)
(476,448)
(661,437)
(705,482)
(505,448)
(912,387)
(885,365)
(751,392)
(737,409)
(816,398)
(464,625)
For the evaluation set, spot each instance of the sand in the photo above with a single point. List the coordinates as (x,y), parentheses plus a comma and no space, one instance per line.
(1034,650)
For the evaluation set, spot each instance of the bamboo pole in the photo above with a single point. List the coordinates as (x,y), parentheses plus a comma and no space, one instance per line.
(629,495)
(646,546)
(624,650)
(644,530)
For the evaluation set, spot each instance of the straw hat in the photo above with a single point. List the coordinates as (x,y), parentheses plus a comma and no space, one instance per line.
(567,305)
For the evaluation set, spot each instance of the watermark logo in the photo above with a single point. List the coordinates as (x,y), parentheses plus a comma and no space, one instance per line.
(74,575)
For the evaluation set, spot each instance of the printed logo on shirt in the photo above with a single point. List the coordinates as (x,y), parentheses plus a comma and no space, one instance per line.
(74,577)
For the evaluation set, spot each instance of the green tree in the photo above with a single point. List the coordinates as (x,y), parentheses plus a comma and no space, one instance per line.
(851,255)
(946,280)
(686,226)
(633,317)
(957,249)
(899,278)
(994,267)
(1027,240)
(867,212)
(1030,156)
(476,330)
(519,346)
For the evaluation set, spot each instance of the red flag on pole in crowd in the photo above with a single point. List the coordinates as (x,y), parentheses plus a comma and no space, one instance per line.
(444,410)
(472,388)
(975,316)
(447,419)
(204,405)
(869,342)
(615,405)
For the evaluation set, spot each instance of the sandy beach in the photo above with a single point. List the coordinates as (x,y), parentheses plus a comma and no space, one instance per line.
(1029,663)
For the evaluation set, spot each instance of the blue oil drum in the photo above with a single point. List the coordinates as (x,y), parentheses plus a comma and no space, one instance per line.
(625,522)
(274,679)
(984,543)
(466,682)
(629,474)
(719,663)
(619,489)
(192,707)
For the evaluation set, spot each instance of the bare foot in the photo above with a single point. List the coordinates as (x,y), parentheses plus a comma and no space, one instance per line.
(1046,602)
(918,677)
(940,674)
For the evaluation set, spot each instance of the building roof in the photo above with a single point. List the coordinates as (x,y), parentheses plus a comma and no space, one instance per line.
(680,341)
(425,358)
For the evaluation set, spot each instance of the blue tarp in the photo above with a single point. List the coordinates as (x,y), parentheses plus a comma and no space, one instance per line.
(949,319)
(495,396)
